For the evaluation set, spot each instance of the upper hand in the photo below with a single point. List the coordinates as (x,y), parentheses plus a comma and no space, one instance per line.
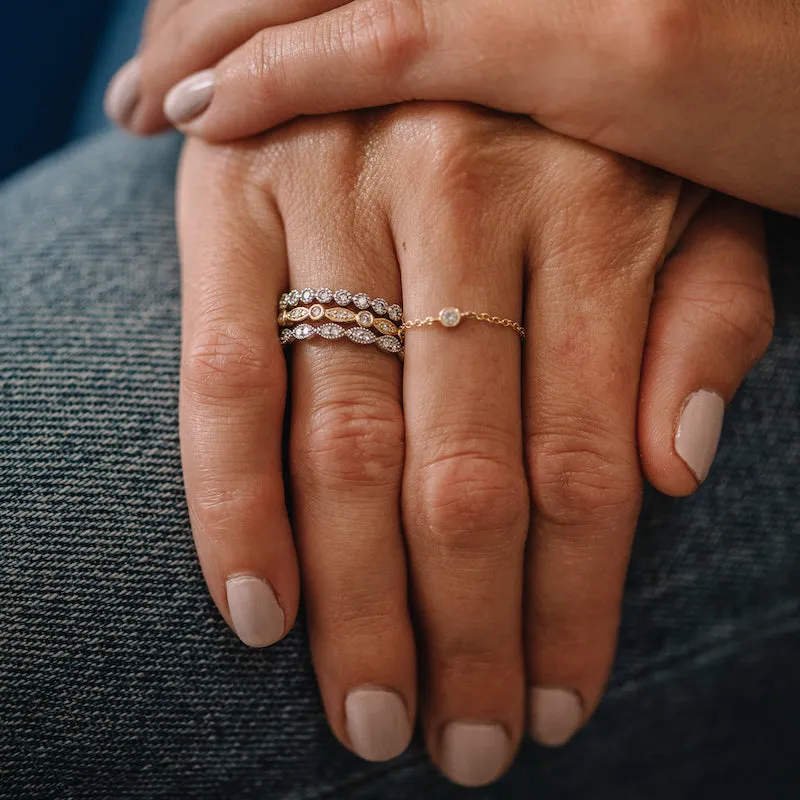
(706,90)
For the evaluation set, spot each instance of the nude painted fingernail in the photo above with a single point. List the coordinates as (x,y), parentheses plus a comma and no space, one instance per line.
(699,429)
(122,94)
(554,715)
(474,753)
(377,723)
(256,615)
(191,97)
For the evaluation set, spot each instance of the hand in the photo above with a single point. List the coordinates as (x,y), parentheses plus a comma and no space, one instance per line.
(445,458)
(705,90)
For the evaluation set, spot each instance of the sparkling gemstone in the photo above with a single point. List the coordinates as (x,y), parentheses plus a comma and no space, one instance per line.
(385,327)
(340,315)
(298,314)
(293,298)
(342,297)
(316,313)
(361,335)
(364,319)
(395,313)
(304,331)
(380,306)
(287,334)
(361,301)
(324,295)
(284,301)
(391,344)
(330,330)
(450,317)
(307,295)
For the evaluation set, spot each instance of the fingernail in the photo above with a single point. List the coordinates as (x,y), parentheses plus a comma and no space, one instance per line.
(554,715)
(191,97)
(255,614)
(122,93)
(474,753)
(699,429)
(377,723)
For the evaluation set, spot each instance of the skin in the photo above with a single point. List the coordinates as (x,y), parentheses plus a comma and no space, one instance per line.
(515,471)
(688,86)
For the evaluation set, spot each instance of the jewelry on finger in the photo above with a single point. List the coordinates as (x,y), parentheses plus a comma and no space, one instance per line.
(333,331)
(316,313)
(451,317)
(342,298)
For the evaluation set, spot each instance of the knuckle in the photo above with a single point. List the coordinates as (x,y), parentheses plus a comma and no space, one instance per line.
(227,361)
(387,36)
(353,441)
(473,501)
(579,475)
(218,505)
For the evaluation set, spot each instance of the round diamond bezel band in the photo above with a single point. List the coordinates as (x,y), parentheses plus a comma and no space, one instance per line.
(342,298)
(451,317)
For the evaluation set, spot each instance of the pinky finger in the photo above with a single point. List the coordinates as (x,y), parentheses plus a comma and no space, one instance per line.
(711,322)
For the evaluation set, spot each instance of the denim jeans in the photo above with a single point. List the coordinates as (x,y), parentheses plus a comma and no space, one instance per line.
(118,678)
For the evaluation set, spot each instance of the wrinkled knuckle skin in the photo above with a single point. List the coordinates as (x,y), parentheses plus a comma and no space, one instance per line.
(352,442)
(388,36)
(226,362)
(472,503)
(577,479)
(750,315)
(218,506)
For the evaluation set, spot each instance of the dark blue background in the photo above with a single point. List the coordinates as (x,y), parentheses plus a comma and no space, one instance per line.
(48,49)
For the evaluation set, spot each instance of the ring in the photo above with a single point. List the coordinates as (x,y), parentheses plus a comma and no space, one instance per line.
(452,317)
(299,308)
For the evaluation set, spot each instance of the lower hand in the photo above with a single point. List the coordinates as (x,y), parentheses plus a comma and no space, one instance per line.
(510,475)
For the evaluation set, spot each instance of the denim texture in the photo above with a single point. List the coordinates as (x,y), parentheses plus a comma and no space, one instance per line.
(118,678)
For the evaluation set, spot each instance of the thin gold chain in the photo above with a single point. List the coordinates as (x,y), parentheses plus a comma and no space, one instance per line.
(479,316)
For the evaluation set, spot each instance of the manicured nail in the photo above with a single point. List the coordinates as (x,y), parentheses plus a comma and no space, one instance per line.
(377,723)
(554,715)
(255,614)
(699,429)
(191,97)
(474,753)
(123,92)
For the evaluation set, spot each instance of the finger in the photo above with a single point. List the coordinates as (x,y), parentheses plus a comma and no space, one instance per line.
(233,380)
(347,446)
(363,54)
(710,323)
(195,36)
(588,306)
(465,496)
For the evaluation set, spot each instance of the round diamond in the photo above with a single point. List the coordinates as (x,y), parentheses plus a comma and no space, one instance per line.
(395,313)
(361,301)
(342,297)
(316,312)
(330,330)
(304,331)
(324,295)
(450,317)
(361,335)
(293,298)
(380,306)
(287,334)
(284,301)
(391,344)
(307,296)
(364,319)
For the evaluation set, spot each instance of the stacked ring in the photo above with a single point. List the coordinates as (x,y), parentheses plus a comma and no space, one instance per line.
(298,310)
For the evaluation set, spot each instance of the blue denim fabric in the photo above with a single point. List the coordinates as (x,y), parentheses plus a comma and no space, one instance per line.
(118,679)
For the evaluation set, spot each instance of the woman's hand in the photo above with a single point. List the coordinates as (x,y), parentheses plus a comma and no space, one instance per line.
(500,482)
(707,90)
